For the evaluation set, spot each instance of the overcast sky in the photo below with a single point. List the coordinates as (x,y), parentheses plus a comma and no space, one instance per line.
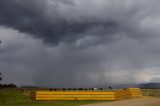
(79,43)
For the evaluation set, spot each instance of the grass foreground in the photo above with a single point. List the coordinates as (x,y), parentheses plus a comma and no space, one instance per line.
(13,98)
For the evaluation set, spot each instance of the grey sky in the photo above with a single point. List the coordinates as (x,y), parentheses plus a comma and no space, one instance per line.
(79,43)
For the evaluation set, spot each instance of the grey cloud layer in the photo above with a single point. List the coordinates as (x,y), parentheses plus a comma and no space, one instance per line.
(60,20)
(96,41)
(46,21)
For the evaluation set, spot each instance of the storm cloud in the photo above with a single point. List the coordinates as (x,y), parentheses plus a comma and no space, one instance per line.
(79,43)
(45,19)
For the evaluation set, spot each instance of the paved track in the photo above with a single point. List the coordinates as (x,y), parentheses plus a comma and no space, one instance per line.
(131,102)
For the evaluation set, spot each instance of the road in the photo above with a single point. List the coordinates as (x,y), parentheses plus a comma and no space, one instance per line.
(130,102)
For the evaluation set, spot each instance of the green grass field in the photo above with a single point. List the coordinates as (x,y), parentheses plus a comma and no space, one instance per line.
(13,98)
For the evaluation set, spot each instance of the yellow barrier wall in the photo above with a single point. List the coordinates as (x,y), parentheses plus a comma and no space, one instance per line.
(86,95)
(73,95)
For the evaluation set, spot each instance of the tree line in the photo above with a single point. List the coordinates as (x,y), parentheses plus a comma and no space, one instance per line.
(6,85)
(66,89)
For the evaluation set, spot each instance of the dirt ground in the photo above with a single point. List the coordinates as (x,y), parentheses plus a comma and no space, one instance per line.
(131,102)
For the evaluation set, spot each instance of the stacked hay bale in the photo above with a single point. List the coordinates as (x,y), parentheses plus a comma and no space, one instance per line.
(87,95)
(135,92)
(122,94)
(73,95)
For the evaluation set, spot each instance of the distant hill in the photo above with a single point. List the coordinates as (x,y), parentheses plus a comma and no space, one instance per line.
(143,85)
(150,85)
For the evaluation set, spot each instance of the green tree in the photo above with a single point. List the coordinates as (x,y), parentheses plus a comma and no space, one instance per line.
(0,76)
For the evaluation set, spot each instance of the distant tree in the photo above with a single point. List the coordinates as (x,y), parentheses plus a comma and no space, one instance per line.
(8,86)
(50,89)
(110,88)
(64,89)
(80,88)
(11,86)
(0,76)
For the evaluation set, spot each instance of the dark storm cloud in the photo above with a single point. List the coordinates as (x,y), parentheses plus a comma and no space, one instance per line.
(34,16)
(68,20)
